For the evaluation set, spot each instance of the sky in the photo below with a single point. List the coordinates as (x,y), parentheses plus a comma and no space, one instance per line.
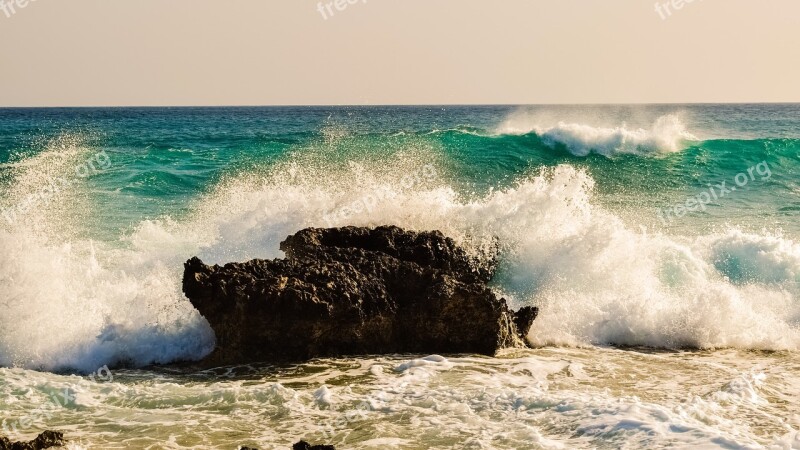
(307,52)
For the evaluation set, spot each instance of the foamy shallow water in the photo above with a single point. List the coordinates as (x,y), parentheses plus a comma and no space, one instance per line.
(547,398)
(99,210)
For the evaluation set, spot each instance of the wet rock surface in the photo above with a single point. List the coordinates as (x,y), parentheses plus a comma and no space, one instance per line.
(354,291)
(48,439)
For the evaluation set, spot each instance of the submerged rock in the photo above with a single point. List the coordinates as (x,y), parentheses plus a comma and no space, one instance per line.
(303,445)
(354,291)
(48,439)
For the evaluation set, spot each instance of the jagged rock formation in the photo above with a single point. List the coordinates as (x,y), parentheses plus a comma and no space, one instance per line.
(353,291)
(48,439)
(303,445)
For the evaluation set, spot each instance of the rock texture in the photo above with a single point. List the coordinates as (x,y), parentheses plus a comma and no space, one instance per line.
(353,291)
(303,445)
(47,439)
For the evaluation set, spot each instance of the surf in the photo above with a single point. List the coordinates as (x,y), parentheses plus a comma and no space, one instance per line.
(579,232)
(596,279)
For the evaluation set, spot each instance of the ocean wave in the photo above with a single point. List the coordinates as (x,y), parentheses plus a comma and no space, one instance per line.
(667,135)
(73,302)
(70,302)
(533,399)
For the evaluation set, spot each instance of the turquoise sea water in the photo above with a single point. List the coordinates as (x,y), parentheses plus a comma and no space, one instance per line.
(657,227)
(166,158)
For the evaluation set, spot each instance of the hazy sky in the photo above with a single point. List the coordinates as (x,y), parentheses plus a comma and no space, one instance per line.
(262,52)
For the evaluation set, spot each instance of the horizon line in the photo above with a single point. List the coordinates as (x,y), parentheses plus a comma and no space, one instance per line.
(359,105)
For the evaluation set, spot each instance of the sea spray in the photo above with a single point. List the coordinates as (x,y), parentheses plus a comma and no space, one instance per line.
(578,235)
(716,191)
(667,135)
(93,277)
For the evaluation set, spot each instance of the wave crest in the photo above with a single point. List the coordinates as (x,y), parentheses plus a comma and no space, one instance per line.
(667,135)
(597,279)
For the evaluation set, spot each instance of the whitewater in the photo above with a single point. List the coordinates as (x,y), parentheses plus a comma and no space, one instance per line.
(650,335)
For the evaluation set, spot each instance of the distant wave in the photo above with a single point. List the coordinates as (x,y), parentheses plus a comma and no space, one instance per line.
(667,135)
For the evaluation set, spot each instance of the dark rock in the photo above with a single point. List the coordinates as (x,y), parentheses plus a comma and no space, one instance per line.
(523,319)
(303,445)
(47,439)
(354,291)
(430,249)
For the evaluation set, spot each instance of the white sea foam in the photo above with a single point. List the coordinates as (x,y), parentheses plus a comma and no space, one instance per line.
(69,301)
(626,399)
(597,279)
(668,134)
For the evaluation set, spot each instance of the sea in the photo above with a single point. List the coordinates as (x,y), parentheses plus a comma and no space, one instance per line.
(660,242)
